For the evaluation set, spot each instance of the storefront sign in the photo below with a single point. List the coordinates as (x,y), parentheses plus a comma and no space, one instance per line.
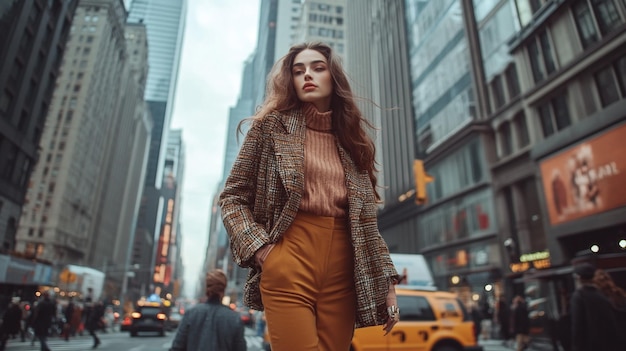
(586,179)
(19,271)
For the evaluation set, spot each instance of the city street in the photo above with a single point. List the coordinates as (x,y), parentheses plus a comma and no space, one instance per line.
(497,345)
(116,341)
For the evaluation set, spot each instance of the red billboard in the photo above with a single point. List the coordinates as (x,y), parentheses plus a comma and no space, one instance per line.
(586,179)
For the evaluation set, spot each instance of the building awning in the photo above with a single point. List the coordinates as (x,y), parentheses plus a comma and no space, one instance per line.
(547,273)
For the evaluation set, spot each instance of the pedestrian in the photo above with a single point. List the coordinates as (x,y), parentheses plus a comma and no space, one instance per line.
(68,313)
(477,318)
(603,280)
(11,322)
(594,326)
(93,317)
(521,322)
(504,320)
(43,315)
(300,207)
(211,325)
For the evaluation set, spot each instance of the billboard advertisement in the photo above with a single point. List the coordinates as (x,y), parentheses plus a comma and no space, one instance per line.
(586,179)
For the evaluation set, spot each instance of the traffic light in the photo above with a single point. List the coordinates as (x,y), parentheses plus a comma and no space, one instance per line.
(421,179)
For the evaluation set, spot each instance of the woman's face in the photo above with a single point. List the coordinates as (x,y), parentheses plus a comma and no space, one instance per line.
(312,80)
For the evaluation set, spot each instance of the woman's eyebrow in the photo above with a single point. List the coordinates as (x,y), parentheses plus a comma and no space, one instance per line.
(311,63)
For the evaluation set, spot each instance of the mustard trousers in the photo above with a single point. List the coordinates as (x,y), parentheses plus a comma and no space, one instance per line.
(307,286)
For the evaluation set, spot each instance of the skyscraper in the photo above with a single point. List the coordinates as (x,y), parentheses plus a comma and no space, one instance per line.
(32,41)
(165,23)
(77,183)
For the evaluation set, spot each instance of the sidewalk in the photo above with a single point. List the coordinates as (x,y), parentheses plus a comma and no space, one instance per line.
(536,344)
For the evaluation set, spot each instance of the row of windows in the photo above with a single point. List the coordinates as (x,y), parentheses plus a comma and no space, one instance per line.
(593,20)
(554,114)
(314,17)
(325,7)
(326,32)
(15,165)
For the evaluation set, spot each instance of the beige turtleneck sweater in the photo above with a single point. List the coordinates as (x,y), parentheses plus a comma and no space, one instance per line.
(325,191)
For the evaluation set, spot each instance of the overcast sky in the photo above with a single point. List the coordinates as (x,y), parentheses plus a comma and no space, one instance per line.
(219,36)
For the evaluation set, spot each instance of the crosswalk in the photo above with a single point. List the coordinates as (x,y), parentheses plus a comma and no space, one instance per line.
(85,343)
(254,342)
(56,344)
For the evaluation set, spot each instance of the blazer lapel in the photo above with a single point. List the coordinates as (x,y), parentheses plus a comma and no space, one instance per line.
(289,152)
(354,182)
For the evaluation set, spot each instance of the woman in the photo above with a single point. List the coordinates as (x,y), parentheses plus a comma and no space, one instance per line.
(605,283)
(299,206)
(211,325)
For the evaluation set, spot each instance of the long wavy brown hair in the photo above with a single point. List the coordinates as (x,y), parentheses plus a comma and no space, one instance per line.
(603,280)
(348,123)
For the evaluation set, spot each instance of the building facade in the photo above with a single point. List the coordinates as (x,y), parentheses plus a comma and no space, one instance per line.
(556,179)
(64,207)
(33,35)
(378,64)
(165,23)
(515,104)
(323,20)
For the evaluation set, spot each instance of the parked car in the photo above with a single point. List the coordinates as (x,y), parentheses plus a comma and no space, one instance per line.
(429,320)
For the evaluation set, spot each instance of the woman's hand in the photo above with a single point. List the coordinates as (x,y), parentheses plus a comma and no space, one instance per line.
(393,311)
(261,254)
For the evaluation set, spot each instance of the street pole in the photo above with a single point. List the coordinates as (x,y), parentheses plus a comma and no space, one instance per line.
(124,288)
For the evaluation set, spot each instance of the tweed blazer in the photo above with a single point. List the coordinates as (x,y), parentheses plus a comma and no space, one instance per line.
(261,198)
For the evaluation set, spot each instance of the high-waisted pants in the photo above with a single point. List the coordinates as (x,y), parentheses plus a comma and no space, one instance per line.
(307,286)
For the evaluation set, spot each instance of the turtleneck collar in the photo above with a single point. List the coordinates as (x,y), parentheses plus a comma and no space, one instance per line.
(315,120)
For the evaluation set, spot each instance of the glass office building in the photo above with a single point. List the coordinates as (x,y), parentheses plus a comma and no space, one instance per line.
(165,22)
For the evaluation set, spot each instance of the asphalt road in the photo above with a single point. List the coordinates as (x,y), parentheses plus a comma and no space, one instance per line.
(116,341)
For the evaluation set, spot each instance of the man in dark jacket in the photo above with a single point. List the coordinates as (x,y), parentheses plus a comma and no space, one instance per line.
(42,319)
(593,323)
(211,326)
(11,322)
(93,317)
(521,323)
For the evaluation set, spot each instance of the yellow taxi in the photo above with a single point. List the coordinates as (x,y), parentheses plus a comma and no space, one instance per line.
(429,321)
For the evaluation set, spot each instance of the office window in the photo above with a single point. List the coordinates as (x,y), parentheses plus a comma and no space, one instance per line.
(497,91)
(5,102)
(526,9)
(512,81)
(620,67)
(506,140)
(546,49)
(607,15)
(595,16)
(554,115)
(607,86)
(584,23)
(8,167)
(521,130)
(542,60)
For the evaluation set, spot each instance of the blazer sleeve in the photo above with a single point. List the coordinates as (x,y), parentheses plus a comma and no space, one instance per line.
(237,199)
